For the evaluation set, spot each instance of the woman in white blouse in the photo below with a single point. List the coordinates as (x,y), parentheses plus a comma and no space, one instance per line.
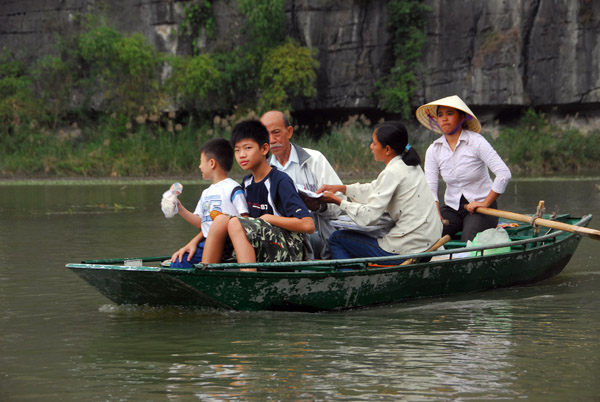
(462,157)
(400,190)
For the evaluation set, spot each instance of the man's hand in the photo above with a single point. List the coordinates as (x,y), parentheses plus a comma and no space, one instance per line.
(311,203)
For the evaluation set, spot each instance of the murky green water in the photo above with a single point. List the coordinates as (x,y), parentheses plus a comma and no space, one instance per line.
(60,340)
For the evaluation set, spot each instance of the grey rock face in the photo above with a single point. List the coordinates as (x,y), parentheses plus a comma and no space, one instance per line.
(493,53)
(354,47)
(528,52)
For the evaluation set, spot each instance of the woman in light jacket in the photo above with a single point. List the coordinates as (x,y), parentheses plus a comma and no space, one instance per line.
(462,157)
(400,190)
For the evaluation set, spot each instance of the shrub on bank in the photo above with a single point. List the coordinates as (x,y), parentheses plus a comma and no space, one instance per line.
(168,146)
(535,145)
(17,100)
(113,146)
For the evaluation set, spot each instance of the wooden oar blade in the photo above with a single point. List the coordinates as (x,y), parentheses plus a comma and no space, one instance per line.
(594,234)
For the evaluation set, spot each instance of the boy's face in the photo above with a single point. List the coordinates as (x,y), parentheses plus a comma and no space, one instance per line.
(249,154)
(205,167)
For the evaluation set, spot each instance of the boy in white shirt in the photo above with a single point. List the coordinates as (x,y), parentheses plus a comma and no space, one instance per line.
(224,195)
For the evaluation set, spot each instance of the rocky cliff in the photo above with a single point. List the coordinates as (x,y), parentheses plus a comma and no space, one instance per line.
(506,52)
(496,54)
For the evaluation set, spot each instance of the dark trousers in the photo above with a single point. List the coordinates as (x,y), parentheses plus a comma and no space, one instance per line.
(196,258)
(350,244)
(465,222)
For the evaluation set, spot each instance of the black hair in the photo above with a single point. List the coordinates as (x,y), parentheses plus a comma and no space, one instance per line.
(394,135)
(250,129)
(220,150)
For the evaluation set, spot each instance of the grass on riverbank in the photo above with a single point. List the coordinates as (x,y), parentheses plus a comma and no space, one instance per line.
(120,149)
(535,145)
(117,148)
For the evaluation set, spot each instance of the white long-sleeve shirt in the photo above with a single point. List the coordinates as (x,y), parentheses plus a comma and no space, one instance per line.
(465,170)
(402,191)
(309,169)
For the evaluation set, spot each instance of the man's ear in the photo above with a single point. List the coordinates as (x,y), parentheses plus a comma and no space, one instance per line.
(265,148)
(212,163)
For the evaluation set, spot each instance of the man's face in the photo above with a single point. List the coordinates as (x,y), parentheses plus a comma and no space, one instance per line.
(279,134)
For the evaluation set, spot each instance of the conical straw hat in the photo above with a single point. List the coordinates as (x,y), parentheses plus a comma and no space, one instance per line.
(427,114)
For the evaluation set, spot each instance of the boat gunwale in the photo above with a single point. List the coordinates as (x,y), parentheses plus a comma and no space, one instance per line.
(234,268)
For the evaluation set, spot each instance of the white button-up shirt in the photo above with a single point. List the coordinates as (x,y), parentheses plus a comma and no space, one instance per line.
(292,166)
(465,170)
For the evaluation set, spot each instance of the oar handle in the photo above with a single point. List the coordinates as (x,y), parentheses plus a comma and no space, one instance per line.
(593,233)
(445,239)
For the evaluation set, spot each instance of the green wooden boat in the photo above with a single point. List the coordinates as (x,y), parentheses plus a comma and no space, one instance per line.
(325,285)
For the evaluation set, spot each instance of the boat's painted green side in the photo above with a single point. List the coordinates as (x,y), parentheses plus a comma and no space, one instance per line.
(322,285)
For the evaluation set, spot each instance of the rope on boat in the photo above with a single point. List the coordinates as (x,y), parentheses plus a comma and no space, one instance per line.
(538,214)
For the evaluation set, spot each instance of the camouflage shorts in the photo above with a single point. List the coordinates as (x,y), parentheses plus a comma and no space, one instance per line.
(273,243)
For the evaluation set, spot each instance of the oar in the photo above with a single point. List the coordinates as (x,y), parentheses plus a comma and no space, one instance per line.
(593,233)
(445,239)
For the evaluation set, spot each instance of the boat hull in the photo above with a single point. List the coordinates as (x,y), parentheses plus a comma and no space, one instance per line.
(314,290)
(349,289)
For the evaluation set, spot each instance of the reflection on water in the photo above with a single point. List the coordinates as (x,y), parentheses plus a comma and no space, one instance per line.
(61,340)
(443,348)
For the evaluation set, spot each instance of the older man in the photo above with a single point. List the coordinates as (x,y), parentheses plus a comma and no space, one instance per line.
(309,169)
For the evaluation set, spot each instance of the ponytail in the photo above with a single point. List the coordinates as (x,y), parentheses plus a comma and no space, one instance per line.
(410,156)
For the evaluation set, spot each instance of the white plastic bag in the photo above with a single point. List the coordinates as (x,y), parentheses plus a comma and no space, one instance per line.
(490,237)
(168,203)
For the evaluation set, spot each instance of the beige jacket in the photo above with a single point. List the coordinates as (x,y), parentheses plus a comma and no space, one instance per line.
(401,191)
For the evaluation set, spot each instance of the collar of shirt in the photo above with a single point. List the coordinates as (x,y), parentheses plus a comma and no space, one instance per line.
(464,138)
(293,159)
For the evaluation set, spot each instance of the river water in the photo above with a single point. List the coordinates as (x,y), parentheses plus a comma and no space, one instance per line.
(60,340)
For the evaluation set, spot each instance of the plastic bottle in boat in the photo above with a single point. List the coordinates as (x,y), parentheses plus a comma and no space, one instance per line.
(169,200)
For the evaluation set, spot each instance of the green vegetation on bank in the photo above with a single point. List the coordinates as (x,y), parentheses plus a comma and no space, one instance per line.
(114,148)
(110,105)
(117,148)
(535,145)
(107,104)
(100,71)
(407,25)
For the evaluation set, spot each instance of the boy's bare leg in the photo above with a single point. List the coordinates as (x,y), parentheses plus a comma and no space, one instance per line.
(243,249)
(215,241)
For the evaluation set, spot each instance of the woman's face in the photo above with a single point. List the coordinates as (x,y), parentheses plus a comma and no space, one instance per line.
(448,118)
(379,153)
